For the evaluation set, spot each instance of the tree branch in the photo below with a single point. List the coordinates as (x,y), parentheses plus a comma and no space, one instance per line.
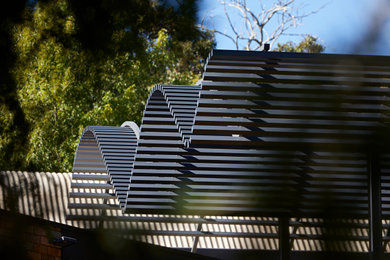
(255,23)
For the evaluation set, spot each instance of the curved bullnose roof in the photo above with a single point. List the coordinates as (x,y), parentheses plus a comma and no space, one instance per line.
(265,133)
(106,149)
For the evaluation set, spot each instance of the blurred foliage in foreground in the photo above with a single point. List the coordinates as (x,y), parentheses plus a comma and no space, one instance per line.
(69,72)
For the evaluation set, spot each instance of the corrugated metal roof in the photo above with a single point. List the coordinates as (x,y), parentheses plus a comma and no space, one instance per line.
(268,134)
(45,195)
(265,137)
(273,133)
(109,150)
(38,194)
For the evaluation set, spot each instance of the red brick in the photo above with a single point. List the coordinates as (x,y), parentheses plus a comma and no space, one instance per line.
(33,255)
(36,239)
(58,252)
(44,240)
(45,257)
(54,251)
(39,231)
(56,229)
(36,248)
(44,250)
(58,247)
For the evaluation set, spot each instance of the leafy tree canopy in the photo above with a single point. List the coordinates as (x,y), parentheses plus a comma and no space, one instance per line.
(82,63)
(309,44)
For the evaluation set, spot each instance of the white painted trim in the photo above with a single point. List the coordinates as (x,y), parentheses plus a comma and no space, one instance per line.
(133,126)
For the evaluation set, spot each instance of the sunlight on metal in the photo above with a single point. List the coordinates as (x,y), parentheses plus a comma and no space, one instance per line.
(273,151)
(280,137)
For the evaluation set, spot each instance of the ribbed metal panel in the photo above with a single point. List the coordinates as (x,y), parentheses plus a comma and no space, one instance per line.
(170,103)
(268,135)
(273,133)
(45,195)
(109,151)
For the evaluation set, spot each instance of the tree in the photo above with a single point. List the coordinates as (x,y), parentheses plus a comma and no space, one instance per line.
(309,45)
(64,82)
(264,26)
(13,123)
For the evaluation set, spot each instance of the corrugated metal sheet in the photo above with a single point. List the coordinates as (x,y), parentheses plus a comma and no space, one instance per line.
(273,133)
(38,194)
(266,135)
(107,150)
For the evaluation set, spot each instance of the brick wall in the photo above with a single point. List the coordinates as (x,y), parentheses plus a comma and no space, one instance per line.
(39,246)
(21,238)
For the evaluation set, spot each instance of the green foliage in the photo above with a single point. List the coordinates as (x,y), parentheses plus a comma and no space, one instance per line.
(63,86)
(309,45)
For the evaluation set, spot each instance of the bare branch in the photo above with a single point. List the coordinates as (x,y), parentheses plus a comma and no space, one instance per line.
(253,32)
(228,36)
(235,40)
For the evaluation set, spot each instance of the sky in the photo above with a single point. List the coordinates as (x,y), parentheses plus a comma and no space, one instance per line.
(342,26)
